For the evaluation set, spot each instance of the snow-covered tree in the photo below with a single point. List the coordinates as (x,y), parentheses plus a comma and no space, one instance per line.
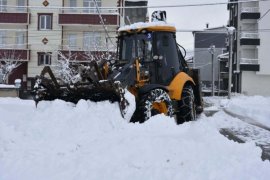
(99,49)
(65,68)
(72,64)
(9,60)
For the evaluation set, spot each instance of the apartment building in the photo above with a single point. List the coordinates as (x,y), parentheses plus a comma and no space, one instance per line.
(251,56)
(35,31)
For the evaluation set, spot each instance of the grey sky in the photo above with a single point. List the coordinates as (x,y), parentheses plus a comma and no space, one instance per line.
(192,17)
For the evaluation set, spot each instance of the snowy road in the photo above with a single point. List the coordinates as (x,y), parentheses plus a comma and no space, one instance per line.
(250,132)
(59,140)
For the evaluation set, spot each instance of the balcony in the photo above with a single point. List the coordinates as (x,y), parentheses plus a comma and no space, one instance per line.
(87,16)
(249,61)
(14,52)
(249,39)
(14,15)
(247,64)
(80,54)
(250,13)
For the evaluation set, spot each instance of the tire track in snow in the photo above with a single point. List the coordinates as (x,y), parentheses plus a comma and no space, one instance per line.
(253,131)
(246,119)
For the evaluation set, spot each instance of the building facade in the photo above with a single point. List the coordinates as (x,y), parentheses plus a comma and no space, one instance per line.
(214,38)
(251,57)
(36,30)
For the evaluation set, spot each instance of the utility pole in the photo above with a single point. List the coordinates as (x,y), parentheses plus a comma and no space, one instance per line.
(230,33)
(212,52)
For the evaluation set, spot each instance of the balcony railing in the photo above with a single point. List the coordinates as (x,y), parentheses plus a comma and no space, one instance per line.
(14,46)
(247,35)
(250,9)
(16,14)
(249,61)
(82,48)
(13,9)
(87,10)
(20,54)
(250,13)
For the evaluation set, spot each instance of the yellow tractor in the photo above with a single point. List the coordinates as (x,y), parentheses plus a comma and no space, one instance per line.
(162,81)
(149,64)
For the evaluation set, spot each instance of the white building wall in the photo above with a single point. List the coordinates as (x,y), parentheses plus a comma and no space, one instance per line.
(257,83)
(36,36)
(254,84)
(263,49)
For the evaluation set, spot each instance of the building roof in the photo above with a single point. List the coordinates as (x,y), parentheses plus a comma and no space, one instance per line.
(220,29)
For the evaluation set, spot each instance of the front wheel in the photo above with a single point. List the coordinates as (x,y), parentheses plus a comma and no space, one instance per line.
(154,102)
(186,106)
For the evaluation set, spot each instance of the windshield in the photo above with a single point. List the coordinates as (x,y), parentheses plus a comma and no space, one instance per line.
(128,51)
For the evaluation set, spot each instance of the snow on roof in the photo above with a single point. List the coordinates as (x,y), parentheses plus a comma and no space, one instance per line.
(225,55)
(141,25)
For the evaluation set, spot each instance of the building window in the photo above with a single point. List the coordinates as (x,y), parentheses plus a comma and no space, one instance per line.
(21,3)
(45,21)
(72,5)
(72,41)
(90,6)
(92,40)
(3,5)
(2,38)
(20,39)
(135,14)
(44,58)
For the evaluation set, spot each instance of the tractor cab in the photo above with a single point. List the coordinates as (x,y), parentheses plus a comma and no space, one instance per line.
(155,47)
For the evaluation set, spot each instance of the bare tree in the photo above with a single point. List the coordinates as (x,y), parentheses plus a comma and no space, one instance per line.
(9,61)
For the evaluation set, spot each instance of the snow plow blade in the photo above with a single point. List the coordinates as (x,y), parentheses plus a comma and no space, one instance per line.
(48,88)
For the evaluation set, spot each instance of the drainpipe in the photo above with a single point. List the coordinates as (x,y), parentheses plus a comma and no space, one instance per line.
(230,33)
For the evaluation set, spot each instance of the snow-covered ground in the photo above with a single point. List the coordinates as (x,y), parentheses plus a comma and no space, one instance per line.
(59,140)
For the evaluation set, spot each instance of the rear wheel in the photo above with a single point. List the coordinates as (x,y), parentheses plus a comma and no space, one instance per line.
(156,101)
(187,108)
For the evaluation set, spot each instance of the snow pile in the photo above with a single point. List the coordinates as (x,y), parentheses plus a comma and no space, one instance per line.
(7,86)
(60,140)
(257,108)
(131,105)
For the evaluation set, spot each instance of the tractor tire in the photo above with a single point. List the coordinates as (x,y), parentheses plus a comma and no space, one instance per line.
(187,107)
(145,105)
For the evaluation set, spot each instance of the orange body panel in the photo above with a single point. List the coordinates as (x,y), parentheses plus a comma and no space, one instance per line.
(176,86)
